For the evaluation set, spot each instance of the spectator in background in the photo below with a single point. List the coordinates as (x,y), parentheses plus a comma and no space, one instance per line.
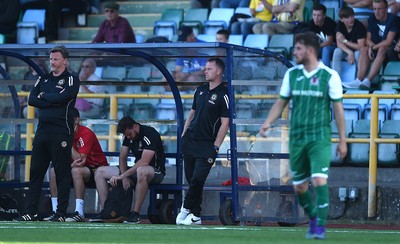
(286,16)
(114,29)
(350,38)
(362,9)
(189,69)
(381,32)
(234,3)
(222,35)
(324,27)
(210,4)
(261,10)
(89,107)
(394,7)
(9,14)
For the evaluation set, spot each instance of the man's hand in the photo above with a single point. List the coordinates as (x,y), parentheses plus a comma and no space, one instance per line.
(78,163)
(350,58)
(114,180)
(264,129)
(341,149)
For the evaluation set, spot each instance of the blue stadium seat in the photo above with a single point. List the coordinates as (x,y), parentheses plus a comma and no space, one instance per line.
(384,106)
(30,26)
(388,154)
(349,71)
(206,37)
(354,107)
(168,24)
(236,39)
(256,41)
(218,19)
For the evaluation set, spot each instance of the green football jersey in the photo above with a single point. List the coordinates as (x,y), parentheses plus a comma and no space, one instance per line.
(311,94)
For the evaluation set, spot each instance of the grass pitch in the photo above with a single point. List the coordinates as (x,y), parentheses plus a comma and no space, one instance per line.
(45,232)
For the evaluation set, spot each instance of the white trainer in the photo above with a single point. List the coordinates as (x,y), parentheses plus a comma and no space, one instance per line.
(365,84)
(192,220)
(352,84)
(182,215)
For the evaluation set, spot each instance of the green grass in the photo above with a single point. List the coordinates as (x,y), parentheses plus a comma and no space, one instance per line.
(44,232)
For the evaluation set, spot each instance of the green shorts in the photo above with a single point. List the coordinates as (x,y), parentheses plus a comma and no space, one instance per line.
(310,160)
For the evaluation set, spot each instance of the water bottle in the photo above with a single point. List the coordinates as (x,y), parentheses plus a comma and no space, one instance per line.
(243,217)
(258,216)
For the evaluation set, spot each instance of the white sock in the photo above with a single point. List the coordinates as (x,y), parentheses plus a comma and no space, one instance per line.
(366,80)
(54,203)
(79,206)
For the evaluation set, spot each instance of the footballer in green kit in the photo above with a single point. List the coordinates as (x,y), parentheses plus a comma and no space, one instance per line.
(312,87)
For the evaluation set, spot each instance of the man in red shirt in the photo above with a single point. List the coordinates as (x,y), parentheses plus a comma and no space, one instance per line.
(87,156)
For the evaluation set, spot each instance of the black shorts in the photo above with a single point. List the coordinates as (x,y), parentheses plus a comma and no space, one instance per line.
(157,179)
(91,183)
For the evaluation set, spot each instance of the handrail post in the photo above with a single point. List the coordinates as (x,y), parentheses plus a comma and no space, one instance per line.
(373,158)
(29,140)
(113,127)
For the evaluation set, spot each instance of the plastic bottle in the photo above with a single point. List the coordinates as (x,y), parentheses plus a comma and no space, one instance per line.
(258,215)
(243,217)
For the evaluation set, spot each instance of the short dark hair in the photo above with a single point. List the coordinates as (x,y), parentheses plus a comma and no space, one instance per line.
(320,7)
(346,12)
(309,39)
(381,1)
(125,123)
(60,49)
(75,113)
(223,32)
(220,64)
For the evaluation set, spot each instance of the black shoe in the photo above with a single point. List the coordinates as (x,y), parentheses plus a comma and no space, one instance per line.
(57,218)
(27,217)
(133,218)
(98,218)
(75,218)
(49,217)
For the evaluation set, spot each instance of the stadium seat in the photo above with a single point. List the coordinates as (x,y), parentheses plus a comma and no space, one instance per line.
(359,152)
(29,28)
(206,37)
(335,134)
(281,43)
(394,113)
(2,39)
(384,106)
(388,154)
(354,107)
(139,73)
(256,41)
(168,24)
(142,111)
(349,71)
(236,39)
(110,72)
(218,19)
(243,10)
(308,8)
(390,75)
(195,18)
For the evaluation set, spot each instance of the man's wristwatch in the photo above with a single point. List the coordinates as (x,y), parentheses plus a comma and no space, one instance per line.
(216,148)
(345,41)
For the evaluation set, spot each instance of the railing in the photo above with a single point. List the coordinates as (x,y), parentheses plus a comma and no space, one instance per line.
(112,136)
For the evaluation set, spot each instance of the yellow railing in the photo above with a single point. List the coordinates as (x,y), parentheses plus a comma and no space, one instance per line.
(373,140)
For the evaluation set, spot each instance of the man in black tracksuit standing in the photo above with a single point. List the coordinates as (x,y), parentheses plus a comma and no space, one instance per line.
(54,96)
(203,133)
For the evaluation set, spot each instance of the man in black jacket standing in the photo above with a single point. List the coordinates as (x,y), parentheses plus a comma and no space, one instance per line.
(54,96)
